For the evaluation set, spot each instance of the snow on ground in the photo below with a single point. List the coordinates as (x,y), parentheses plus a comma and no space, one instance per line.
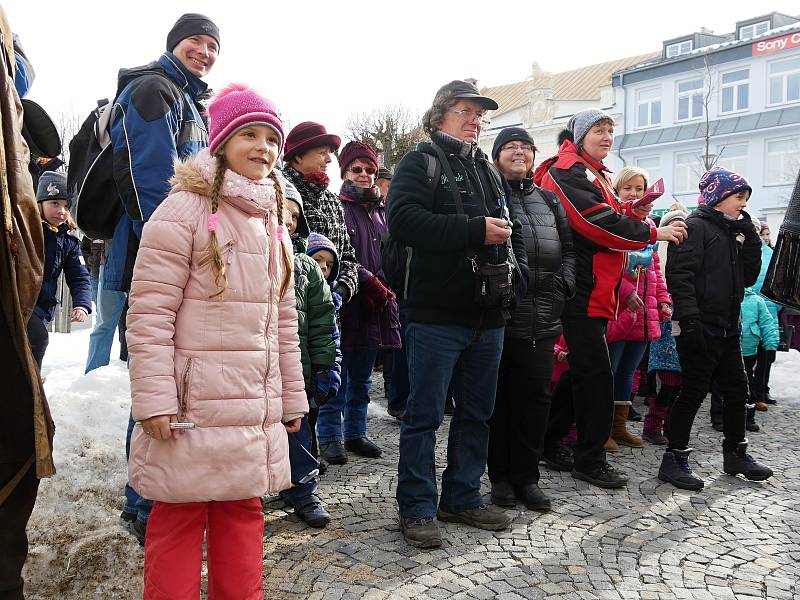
(76,541)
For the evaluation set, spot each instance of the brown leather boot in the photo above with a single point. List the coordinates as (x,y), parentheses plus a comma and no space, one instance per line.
(611,445)
(619,432)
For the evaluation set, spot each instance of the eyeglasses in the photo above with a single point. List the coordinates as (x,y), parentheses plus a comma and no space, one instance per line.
(514,148)
(470,116)
(357,170)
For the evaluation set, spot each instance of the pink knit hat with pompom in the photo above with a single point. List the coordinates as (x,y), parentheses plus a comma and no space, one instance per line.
(236,106)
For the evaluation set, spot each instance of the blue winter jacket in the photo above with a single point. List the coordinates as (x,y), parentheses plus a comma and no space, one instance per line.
(62,252)
(156,119)
(758,326)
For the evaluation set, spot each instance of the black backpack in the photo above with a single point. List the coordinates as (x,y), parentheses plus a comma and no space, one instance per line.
(90,176)
(396,258)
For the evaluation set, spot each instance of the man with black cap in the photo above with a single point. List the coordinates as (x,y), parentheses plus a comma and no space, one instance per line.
(157,118)
(448,204)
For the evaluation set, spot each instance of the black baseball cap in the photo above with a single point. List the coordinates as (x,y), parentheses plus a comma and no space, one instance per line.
(464,89)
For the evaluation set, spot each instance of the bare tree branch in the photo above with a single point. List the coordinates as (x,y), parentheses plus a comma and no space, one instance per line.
(392,130)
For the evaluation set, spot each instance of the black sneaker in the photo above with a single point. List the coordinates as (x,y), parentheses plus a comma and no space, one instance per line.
(482,517)
(740,462)
(503,494)
(533,498)
(421,532)
(333,453)
(769,399)
(602,475)
(559,459)
(313,513)
(363,447)
(675,469)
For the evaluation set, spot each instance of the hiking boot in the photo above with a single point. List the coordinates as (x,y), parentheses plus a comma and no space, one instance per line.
(750,423)
(533,498)
(675,469)
(602,475)
(611,445)
(421,532)
(482,517)
(740,462)
(127,519)
(333,453)
(619,431)
(654,424)
(363,447)
(503,494)
(559,459)
(313,513)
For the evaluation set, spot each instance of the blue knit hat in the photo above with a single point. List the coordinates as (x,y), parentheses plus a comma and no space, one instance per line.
(317,242)
(718,183)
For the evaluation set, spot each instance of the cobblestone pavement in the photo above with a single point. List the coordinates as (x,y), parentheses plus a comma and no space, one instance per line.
(734,539)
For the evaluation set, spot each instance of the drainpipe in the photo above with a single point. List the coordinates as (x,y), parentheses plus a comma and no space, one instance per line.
(624,113)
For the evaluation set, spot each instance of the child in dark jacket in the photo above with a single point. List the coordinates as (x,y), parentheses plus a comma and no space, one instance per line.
(706,276)
(62,252)
(319,351)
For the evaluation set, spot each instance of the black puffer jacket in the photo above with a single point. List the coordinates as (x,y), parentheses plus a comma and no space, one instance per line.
(551,261)
(707,273)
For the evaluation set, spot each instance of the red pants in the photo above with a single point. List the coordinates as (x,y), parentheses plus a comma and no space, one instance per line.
(173,550)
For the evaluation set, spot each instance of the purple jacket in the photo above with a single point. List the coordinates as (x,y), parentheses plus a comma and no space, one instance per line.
(363,329)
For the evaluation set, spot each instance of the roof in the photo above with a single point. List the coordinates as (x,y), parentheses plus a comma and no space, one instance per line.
(577,84)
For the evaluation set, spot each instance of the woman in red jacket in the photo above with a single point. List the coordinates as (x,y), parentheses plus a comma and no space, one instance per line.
(645,303)
(602,234)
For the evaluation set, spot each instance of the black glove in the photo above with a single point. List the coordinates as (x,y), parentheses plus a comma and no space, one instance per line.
(744,226)
(692,334)
(343,291)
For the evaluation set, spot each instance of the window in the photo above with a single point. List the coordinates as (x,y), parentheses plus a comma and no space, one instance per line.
(687,171)
(648,107)
(748,32)
(733,157)
(784,81)
(782,161)
(690,99)
(652,165)
(735,90)
(679,48)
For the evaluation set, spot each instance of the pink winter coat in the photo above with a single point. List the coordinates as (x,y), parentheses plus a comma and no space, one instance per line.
(652,289)
(231,363)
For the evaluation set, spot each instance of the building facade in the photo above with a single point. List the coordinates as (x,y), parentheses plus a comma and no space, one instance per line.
(730,100)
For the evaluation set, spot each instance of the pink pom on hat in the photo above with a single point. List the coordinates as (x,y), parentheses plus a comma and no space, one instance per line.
(236,106)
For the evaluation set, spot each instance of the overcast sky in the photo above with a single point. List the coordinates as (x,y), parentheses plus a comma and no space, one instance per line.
(325,60)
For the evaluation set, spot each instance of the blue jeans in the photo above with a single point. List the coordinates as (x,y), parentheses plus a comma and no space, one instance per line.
(302,463)
(625,357)
(350,404)
(436,354)
(109,308)
(399,387)
(95,281)
(134,503)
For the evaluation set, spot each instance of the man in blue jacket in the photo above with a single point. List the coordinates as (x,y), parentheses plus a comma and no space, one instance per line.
(157,118)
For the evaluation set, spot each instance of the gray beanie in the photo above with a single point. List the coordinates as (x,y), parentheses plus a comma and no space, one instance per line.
(291,193)
(582,122)
(53,186)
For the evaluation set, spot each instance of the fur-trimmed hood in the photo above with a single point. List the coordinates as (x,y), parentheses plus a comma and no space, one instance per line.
(196,175)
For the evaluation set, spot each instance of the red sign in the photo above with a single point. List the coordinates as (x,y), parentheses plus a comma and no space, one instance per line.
(790,40)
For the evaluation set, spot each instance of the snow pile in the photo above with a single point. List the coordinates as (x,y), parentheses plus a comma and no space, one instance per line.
(76,541)
(784,379)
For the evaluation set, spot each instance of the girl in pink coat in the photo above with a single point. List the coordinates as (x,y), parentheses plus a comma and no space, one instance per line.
(216,377)
(644,303)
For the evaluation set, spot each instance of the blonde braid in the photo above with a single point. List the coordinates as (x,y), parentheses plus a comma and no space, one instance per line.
(287,260)
(216,256)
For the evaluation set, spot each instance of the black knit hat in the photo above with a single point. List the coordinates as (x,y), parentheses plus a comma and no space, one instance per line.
(511,134)
(188,25)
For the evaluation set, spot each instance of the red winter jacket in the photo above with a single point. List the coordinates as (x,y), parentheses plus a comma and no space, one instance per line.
(643,325)
(601,232)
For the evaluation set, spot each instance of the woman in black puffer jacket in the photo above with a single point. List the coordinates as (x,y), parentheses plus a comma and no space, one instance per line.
(522,404)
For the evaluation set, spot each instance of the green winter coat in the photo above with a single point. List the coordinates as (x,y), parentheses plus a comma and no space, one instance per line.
(758,326)
(315,317)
